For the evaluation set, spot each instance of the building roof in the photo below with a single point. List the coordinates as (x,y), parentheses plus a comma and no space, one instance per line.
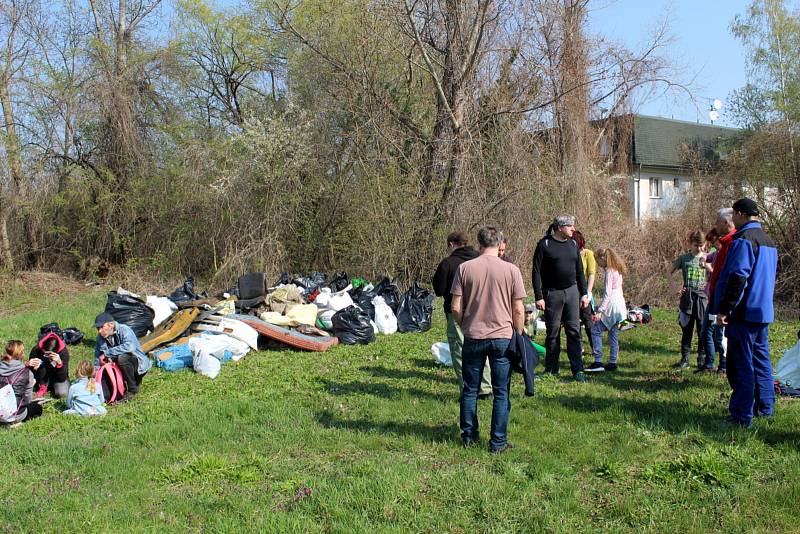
(663,142)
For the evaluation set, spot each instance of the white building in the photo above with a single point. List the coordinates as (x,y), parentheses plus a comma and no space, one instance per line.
(662,157)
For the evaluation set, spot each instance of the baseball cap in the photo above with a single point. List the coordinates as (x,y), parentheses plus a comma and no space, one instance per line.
(102,319)
(746,206)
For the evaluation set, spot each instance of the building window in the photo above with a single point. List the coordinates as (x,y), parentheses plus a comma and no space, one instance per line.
(676,183)
(655,188)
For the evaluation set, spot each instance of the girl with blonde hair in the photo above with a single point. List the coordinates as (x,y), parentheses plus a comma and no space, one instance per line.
(85,396)
(611,311)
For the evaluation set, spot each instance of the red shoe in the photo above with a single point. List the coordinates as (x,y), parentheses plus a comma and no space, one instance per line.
(41,392)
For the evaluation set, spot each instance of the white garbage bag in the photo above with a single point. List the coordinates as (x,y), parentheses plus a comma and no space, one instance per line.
(787,370)
(384,316)
(206,364)
(163,308)
(441,353)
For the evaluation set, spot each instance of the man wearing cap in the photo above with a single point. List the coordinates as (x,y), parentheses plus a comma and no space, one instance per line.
(560,289)
(743,297)
(116,342)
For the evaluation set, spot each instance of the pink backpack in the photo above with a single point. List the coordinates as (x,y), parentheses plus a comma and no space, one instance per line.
(109,376)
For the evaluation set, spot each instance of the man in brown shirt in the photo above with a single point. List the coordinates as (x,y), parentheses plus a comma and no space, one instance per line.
(487,304)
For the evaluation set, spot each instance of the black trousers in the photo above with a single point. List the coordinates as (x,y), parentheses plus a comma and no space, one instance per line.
(696,313)
(562,306)
(129,365)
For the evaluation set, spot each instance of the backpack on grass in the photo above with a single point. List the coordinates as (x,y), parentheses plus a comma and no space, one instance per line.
(109,377)
(9,406)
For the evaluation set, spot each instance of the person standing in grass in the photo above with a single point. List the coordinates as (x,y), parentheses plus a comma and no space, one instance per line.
(85,395)
(611,311)
(460,251)
(501,251)
(743,300)
(18,374)
(116,342)
(726,230)
(487,304)
(693,298)
(560,289)
(589,272)
(712,333)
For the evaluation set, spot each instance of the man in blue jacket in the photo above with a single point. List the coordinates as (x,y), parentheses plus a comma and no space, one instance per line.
(116,342)
(743,302)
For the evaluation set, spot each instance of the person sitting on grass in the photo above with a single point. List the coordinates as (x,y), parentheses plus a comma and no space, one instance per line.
(611,310)
(53,374)
(18,374)
(85,395)
(117,343)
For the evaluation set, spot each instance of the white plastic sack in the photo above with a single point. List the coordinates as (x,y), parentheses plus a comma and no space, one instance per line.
(441,353)
(327,301)
(206,365)
(8,403)
(384,316)
(232,327)
(787,370)
(326,318)
(163,308)
(216,344)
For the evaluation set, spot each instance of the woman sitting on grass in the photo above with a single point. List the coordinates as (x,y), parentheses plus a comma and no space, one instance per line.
(611,311)
(85,395)
(53,374)
(18,373)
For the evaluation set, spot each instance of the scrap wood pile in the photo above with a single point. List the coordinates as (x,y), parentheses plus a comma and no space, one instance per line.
(194,330)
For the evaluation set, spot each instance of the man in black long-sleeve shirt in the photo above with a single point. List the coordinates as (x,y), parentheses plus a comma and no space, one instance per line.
(560,289)
(460,251)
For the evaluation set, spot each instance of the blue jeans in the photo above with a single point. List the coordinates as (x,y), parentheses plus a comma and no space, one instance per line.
(712,339)
(473,359)
(597,342)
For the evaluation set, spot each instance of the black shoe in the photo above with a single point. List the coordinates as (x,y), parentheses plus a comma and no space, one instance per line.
(485,396)
(595,367)
(126,397)
(470,442)
(722,370)
(611,367)
(505,448)
(731,420)
(681,365)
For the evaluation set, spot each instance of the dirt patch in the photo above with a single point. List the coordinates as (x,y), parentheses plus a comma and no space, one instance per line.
(39,282)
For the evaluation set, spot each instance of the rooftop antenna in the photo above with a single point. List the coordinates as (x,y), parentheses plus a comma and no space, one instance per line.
(713,111)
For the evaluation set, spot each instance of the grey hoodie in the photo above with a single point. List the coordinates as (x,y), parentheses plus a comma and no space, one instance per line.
(23,386)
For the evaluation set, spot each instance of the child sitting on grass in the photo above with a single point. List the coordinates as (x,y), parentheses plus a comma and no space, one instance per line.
(85,396)
(18,374)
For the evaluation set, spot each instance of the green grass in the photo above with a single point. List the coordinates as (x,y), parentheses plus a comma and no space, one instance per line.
(365,439)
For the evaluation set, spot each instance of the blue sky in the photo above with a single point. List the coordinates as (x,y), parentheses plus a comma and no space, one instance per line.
(702,43)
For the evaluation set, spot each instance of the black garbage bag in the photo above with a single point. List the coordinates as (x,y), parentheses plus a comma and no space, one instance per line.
(73,336)
(352,326)
(130,311)
(416,308)
(310,283)
(387,288)
(339,282)
(51,327)
(364,300)
(186,292)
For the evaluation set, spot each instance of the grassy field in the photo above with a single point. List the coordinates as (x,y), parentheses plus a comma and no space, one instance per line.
(365,439)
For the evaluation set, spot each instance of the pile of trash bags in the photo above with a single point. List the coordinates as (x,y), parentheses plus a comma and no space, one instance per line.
(196,330)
